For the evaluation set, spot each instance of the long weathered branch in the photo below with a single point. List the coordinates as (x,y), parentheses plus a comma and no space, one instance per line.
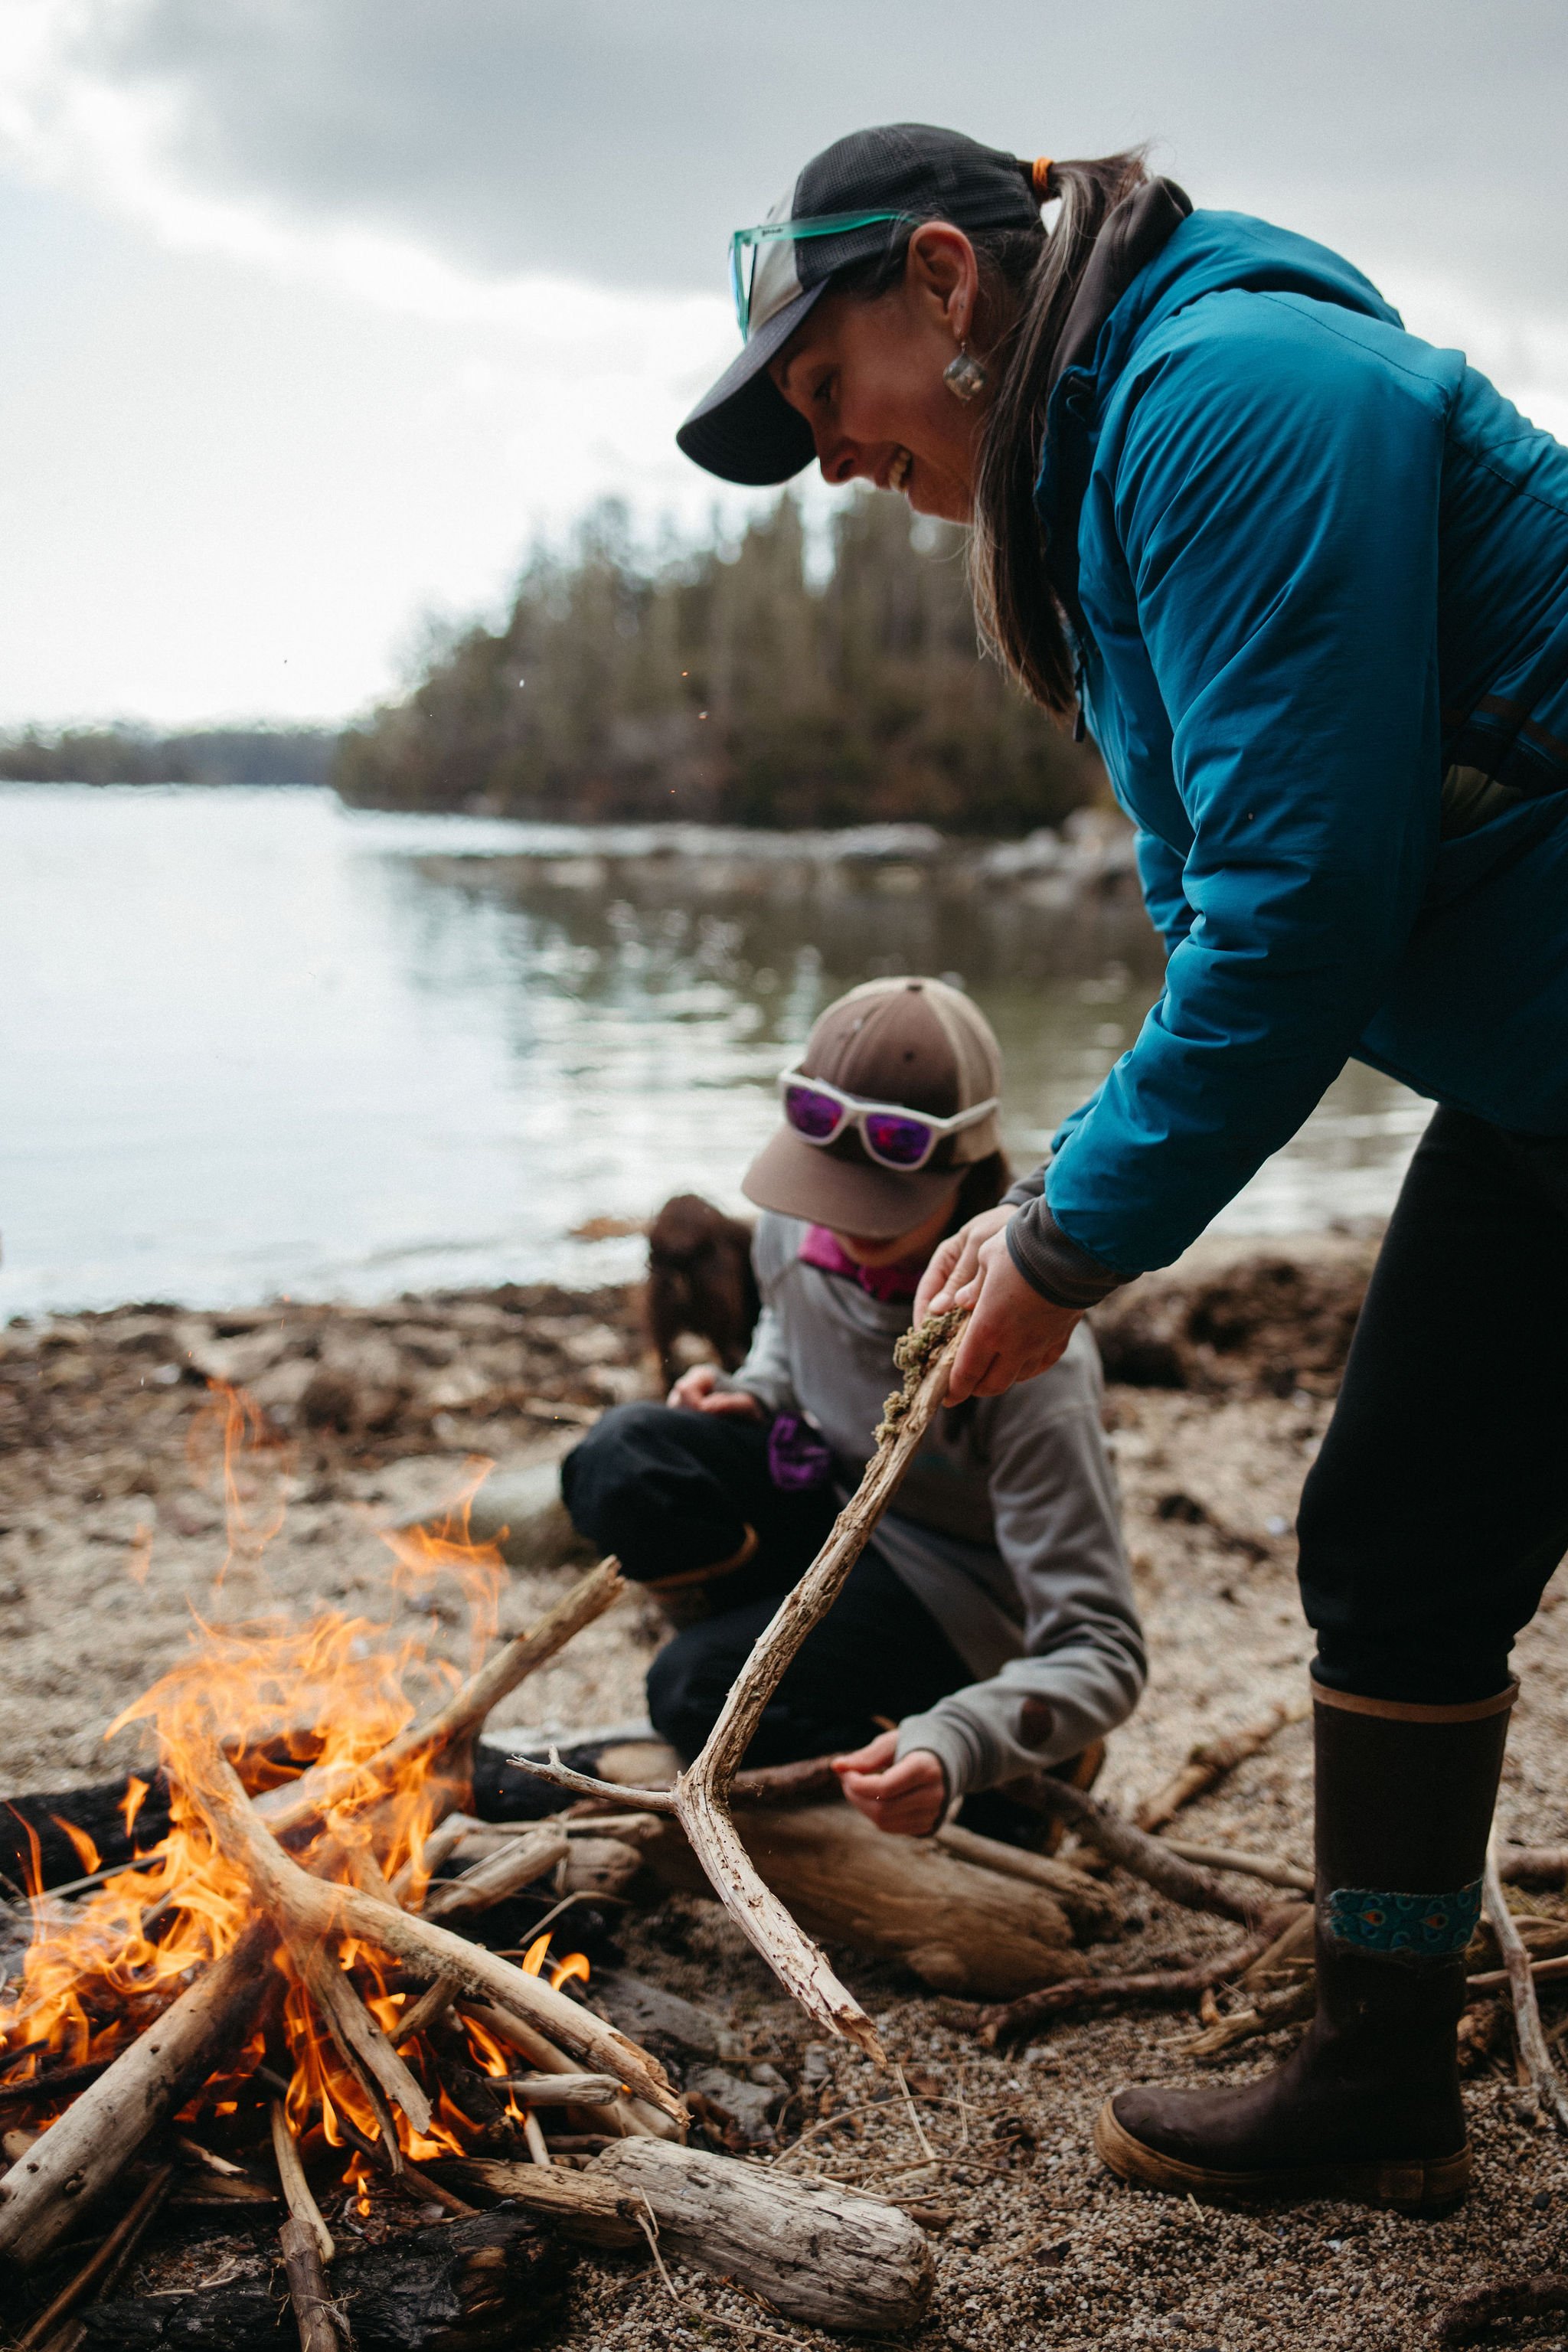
(700,1797)
(1148,1858)
(1162,1987)
(305,1906)
(1543,2074)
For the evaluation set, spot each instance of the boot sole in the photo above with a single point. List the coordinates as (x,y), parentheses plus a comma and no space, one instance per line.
(1422,2185)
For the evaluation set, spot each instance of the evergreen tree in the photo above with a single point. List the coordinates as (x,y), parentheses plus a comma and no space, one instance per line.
(728,687)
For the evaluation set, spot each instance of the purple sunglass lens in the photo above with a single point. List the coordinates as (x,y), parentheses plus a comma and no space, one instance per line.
(816,1117)
(901,1142)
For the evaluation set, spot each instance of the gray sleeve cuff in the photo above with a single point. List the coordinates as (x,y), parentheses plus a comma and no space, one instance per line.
(1025,1189)
(1053,1265)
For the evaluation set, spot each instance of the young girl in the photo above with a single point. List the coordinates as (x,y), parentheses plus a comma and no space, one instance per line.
(990,1620)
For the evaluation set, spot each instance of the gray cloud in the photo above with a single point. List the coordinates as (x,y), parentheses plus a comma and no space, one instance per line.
(620,139)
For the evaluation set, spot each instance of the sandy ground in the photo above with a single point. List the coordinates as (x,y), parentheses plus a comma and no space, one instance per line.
(111,1531)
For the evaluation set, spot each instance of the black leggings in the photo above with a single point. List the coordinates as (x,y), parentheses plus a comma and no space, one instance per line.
(669,1491)
(1438,1506)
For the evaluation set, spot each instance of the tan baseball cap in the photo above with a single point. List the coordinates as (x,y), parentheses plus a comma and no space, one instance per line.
(914,1044)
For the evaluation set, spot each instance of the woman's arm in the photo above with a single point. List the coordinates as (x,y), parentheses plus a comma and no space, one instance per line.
(1273,478)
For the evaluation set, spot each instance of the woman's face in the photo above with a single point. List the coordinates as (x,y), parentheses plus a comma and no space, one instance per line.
(868,378)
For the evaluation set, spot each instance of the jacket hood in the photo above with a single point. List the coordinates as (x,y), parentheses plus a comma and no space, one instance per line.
(1211,252)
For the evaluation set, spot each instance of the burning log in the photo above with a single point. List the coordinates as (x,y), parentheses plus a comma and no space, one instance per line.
(483,2283)
(520,1862)
(826,2256)
(311,1911)
(315,2313)
(1209,1763)
(89,2145)
(960,1928)
(700,1797)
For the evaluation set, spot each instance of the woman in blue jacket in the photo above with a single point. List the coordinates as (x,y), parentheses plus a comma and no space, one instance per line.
(1306,578)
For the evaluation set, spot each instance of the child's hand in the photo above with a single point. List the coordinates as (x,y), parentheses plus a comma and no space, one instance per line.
(906,1798)
(694,1393)
(956,1262)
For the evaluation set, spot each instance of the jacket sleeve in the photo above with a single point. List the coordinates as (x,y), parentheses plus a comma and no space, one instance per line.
(1053,1494)
(1160,873)
(1276,496)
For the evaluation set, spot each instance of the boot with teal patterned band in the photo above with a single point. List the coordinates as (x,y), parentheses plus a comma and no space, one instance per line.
(1368,2107)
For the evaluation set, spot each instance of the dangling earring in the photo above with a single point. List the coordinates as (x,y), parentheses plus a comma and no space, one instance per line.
(964,376)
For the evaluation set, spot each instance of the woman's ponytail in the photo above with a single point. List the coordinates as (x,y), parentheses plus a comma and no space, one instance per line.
(1020,619)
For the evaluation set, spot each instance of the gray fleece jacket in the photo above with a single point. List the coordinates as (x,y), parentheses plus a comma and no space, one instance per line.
(1005,1526)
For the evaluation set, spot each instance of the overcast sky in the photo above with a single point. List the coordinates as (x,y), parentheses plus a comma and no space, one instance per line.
(317,311)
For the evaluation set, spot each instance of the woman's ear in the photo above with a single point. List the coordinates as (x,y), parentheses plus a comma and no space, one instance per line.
(941,277)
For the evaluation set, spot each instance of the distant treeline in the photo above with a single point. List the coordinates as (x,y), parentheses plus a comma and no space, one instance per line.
(728,684)
(129,755)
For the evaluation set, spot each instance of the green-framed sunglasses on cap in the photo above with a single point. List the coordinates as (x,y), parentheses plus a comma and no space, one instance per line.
(745,256)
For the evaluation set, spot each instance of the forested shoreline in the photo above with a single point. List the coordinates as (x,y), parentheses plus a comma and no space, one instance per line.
(730,684)
(726,683)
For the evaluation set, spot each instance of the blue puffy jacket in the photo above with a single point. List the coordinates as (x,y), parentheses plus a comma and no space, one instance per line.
(1323,571)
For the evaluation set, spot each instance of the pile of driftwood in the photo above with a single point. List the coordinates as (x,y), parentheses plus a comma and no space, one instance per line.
(342,2042)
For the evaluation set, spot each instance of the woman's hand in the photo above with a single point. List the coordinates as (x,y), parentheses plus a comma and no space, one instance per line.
(907,1798)
(694,1393)
(1014,1333)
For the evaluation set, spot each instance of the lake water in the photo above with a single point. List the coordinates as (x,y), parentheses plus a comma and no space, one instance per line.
(253,1043)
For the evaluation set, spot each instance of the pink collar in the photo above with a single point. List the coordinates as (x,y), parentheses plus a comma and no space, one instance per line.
(887,1283)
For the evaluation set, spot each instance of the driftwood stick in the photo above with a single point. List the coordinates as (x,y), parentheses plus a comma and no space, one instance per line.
(1472,2315)
(1289,2006)
(360,2039)
(826,2256)
(1549,1971)
(633,2118)
(295,2187)
(104,2261)
(307,1908)
(1146,1857)
(1267,1866)
(296,1805)
(1087,1904)
(559,2090)
(485,1884)
(88,2147)
(1543,2076)
(432,2004)
(701,1795)
(1209,1762)
(1533,1866)
(315,2315)
(1162,1988)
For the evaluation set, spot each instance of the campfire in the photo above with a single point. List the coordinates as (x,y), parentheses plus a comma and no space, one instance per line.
(276,1994)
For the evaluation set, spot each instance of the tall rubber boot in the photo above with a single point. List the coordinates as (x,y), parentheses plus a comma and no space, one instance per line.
(1368,2107)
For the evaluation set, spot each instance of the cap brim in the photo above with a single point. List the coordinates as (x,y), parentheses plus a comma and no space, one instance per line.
(745,430)
(851,1196)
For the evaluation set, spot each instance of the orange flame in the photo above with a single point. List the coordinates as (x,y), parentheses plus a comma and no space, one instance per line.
(280,1698)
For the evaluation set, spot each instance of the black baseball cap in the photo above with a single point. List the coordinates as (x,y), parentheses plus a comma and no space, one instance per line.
(846,208)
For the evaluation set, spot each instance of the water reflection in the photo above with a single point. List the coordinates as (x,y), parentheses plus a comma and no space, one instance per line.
(255,1043)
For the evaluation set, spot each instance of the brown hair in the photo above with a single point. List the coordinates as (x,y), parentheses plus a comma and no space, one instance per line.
(1027,281)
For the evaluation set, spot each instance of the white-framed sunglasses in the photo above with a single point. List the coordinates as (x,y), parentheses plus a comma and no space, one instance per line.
(893,1137)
